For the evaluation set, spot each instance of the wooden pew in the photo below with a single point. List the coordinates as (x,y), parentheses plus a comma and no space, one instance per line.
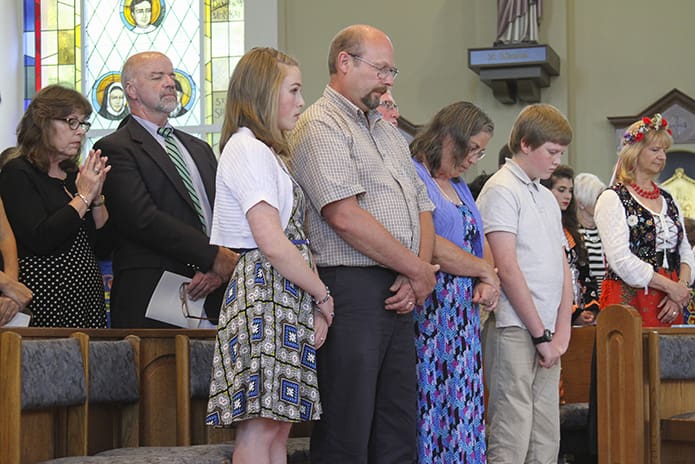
(105,424)
(635,404)
(43,408)
(575,380)
(576,366)
(671,377)
(619,386)
(114,392)
(157,380)
(193,372)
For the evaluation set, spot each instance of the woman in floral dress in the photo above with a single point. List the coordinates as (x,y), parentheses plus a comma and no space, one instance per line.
(451,425)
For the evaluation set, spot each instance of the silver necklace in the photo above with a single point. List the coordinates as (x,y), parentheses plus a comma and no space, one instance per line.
(457,203)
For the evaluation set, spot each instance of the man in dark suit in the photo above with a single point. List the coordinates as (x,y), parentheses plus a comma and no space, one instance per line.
(162,215)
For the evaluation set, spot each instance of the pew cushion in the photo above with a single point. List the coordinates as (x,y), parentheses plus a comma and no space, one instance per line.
(109,360)
(684,416)
(679,428)
(574,416)
(298,450)
(297,453)
(49,374)
(199,454)
(218,453)
(677,357)
(201,352)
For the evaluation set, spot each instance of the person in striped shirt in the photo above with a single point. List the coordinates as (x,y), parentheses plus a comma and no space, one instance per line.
(587,188)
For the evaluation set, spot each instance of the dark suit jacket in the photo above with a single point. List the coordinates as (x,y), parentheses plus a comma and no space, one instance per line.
(155,220)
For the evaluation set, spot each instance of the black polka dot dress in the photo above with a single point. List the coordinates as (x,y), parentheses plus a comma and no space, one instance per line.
(68,287)
(56,247)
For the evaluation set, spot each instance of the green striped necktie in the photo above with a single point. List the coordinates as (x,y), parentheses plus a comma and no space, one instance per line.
(182,169)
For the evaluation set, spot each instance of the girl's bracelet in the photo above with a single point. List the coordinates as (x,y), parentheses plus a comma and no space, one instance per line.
(325,298)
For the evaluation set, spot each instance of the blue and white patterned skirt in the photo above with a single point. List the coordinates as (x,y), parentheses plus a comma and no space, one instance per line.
(265,362)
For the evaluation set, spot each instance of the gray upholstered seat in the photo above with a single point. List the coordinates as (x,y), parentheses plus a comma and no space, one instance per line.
(52,373)
(197,454)
(201,352)
(193,373)
(200,454)
(297,453)
(298,450)
(109,361)
(676,363)
(574,416)
(574,420)
(42,380)
(114,385)
(677,357)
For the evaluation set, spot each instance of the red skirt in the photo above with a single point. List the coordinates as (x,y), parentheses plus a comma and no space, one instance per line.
(617,292)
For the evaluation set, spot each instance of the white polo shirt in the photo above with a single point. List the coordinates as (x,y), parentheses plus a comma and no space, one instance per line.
(511,202)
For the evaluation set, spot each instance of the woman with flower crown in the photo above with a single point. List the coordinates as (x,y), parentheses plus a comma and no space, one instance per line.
(649,260)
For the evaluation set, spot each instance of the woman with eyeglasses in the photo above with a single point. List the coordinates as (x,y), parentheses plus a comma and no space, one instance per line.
(450,423)
(56,208)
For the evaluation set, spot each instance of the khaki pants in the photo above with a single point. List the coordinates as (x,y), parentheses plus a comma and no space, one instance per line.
(523,414)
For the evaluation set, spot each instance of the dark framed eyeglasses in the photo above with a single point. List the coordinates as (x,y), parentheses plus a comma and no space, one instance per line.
(381,71)
(74,123)
(389,105)
(183,296)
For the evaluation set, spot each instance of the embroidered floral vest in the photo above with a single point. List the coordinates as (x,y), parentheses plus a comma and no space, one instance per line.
(640,222)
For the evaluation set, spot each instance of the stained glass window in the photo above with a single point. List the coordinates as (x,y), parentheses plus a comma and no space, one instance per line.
(83,43)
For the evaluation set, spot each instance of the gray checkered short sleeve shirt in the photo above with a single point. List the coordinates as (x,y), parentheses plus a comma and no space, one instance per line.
(339,152)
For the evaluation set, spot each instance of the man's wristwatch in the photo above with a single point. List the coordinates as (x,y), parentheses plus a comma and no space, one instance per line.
(546,337)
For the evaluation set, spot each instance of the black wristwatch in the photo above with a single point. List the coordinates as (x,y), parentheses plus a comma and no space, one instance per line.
(546,337)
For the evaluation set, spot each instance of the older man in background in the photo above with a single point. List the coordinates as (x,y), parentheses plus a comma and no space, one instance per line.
(388,108)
